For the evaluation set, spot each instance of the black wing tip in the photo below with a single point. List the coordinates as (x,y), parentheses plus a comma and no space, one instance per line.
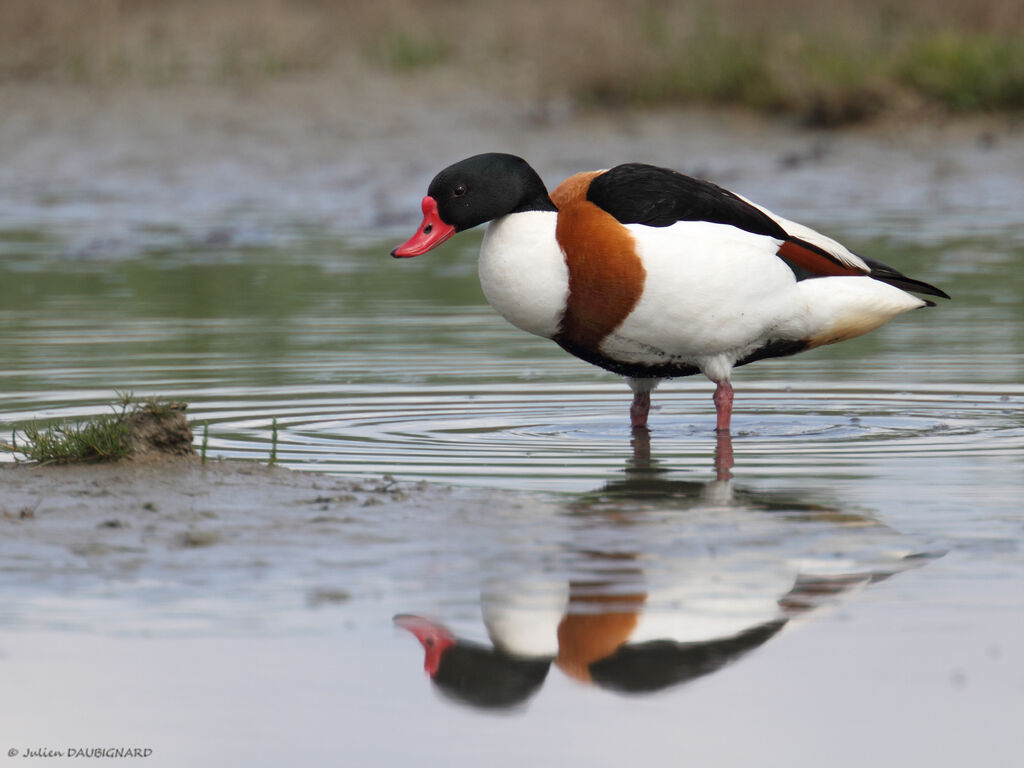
(918,286)
(895,278)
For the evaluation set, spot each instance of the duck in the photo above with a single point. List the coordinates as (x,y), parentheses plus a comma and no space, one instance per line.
(652,274)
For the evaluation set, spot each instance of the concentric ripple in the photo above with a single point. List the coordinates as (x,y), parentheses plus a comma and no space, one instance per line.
(566,438)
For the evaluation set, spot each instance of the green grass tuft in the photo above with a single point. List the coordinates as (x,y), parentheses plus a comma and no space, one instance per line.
(102,438)
(161,409)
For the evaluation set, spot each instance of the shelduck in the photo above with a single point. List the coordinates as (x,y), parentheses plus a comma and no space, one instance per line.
(652,274)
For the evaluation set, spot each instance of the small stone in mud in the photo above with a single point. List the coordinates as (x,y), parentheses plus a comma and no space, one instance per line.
(324,519)
(199,538)
(343,498)
(327,596)
(26,513)
(958,679)
(149,506)
(90,549)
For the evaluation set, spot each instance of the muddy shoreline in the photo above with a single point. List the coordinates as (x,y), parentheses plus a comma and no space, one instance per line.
(114,490)
(177,545)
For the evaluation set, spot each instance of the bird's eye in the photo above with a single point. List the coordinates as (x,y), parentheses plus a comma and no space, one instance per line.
(460,190)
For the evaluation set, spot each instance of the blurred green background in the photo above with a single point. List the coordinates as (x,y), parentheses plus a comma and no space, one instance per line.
(826,63)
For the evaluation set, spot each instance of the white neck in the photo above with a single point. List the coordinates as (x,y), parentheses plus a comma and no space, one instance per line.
(523,271)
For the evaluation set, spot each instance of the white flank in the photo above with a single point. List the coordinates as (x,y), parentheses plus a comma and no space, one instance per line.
(523,272)
(713,294)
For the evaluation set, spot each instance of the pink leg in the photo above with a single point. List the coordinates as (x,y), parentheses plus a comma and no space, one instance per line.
(723,456)
(723,406)
(640,408)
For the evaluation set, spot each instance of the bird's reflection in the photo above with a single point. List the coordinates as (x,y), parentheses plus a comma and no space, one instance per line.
(659,581)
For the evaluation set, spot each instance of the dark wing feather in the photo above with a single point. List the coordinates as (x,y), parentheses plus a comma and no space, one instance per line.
(635,193)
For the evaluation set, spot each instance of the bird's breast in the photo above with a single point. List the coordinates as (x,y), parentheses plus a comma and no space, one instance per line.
(523,272)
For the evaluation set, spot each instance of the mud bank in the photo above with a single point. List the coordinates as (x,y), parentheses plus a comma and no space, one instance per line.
(178,544)
(177,490)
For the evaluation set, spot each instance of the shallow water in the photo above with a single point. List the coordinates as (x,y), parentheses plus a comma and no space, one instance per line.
(851,595)
(371,366)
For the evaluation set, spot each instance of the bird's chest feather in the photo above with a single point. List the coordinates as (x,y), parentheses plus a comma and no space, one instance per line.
(523,272)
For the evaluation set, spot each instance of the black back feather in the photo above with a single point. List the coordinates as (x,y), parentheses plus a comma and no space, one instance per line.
(635,193)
